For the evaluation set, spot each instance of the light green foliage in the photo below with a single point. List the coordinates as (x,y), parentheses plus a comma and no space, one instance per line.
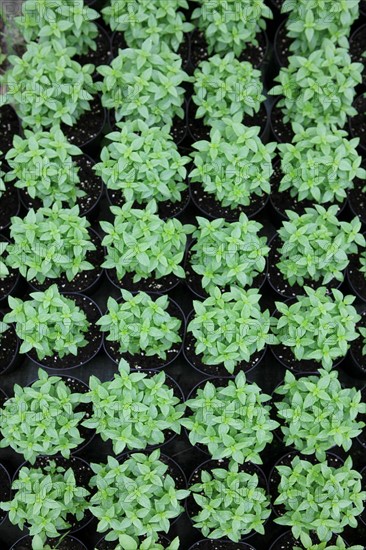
(140,242)
(230,327)
(141,324)
(232,421)
(317,326)
(318,413)
(41,419)
(49,323)
(134,409)
(129,543)
(4,271)
(339,545)
(144,163)
(231,503)
(317,246)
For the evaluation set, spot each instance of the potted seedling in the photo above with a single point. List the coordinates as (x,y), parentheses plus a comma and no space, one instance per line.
(47,168)
(319,166)
(143,251)
(316,413)
(312,249)
(141,163)
(315,329)
(232,421)
(142,490)
(228,501)
(225,254)
(56,331)
(49,498)
(147,330)
(317,498)
(55,244)
(135,410)
(44,418)
(232,171)
(227,332)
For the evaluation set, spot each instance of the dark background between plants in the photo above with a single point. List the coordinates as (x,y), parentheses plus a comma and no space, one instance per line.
(268,374)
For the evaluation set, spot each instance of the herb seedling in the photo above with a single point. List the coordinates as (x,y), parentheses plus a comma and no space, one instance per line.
(319,88)
(320,164)
(317,326)
(144,83)
(134,409)
(231,25)
(139,242)
(228,253)
(41,419)
(339,545)
(161,20)
(49,323)
(43,498)
(318,413)
(141,324)
(42,164)
(224,87)
(49,243)
(316,245)
(47,86)
(231,502)
(234,165)
(59,19)
(319,498)
(141,493)
(232,421)
(144,163)
(229,327)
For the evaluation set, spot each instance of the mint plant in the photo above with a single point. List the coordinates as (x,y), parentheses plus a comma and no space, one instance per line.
(42,165)
(318,413)
(59,19)
(320,164)
(233,421)
(234,165)
(43,498)
(232,25)
(141,493)
(319,88)
(49,243)
(144,163)
(317,326)
(144,83)
(41,419)
(141,324)
(224,87)
(240,504)
(139,242)
(134,409)
(339,545)
(49,323)
(319,498)
(161,20)
(316,245)
(47,87)
(229,327)
(228,253)
(310,22)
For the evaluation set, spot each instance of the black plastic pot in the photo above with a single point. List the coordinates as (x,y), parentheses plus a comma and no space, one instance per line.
(10,358)
(286,541)
(281,131)
(94,337)
(5,484)
(101,56)
(281,45)
(357,123)
(215,370)
(9,284)
(210,544)
(145,362)
(10,126)
(68,543)
(357,364)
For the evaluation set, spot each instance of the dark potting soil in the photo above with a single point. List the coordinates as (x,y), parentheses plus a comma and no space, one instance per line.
(287,542)
(363,7)
(3,398)
(357,198)
(357,345)
(9,127)
(118,42)
(356,278)
(358,122)
(357,46)
(150,284)
(109,545)
(221,545)
(5,490)
(89,125)
(93,337)
(9,205)
(8,348)
(7,283)
(282,45)
(68,543)
(77,386)
(83,280)
(282,131)
(166,209)
(101,55)
(142,361)
(194,280)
